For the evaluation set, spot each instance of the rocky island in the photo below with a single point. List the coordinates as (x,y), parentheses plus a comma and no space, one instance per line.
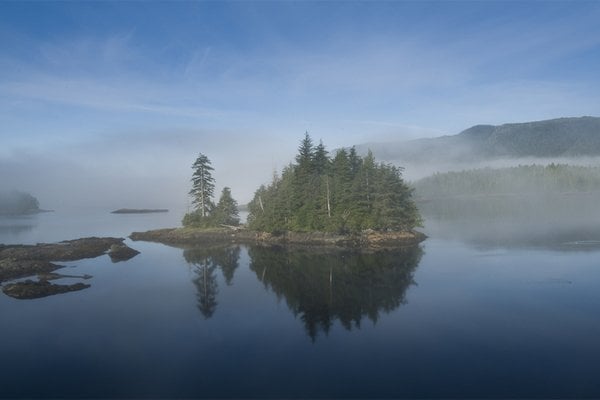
(20,261)
(347,200)
(19,203)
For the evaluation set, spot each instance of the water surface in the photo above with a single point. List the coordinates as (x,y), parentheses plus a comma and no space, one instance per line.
(452,317)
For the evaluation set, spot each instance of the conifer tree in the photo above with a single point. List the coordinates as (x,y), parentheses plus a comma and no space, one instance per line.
(203,186)
(226,211)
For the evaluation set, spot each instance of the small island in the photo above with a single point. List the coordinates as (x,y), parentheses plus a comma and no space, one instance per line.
(20,261)
(346,200)
(19,203)
(139,210)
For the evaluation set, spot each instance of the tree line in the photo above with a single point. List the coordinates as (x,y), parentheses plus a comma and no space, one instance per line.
(523,179)
(344,193)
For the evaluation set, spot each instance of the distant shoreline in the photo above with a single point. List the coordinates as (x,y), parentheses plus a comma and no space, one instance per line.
(139,210)
(202,236)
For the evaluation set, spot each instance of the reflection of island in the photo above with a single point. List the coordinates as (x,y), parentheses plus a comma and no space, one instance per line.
(206,261)
(16,227)
(346,285)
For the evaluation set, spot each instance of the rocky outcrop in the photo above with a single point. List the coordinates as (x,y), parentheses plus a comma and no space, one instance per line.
(20,261)
(36,289)
(68,250)
(11,268)
(121,252)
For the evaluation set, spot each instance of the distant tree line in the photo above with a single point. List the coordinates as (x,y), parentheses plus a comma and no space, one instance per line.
(343,194)
(18,203)
(524,179)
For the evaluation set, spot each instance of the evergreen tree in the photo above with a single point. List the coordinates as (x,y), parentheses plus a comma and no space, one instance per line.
(321,160)
(305,152)
(226,211)
(203,186)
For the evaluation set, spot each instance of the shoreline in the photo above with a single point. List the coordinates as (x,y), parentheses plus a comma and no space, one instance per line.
(139,211)
(202,236)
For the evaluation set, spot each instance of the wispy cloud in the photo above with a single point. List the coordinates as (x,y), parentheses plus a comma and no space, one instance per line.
(244,95)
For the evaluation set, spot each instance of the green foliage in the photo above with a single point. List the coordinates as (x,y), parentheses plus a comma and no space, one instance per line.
(16,203)
(226,211)
(344,194)
(524,179)
(195,219)
(203,186)
(206,214)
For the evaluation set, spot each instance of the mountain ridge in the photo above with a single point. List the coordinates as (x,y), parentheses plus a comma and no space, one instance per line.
(558,137)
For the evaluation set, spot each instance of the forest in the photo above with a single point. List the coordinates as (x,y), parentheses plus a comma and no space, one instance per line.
(344,193)
(523,179)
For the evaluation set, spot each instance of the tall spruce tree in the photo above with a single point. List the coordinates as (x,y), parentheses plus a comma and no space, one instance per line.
(203,186)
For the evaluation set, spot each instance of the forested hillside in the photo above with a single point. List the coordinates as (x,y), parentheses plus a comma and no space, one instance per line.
(561,137)
(346,193)
(554,178)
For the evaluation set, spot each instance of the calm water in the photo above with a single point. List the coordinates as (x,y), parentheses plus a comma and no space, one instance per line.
(461,315)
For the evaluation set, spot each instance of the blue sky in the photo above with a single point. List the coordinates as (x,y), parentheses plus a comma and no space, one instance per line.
(129,92)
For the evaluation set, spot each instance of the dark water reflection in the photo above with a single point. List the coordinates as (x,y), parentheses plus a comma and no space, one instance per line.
(255,322)
(320,287)
(16,226)
(205,262)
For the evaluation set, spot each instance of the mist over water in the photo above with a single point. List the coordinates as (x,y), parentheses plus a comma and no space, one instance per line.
(557,221)
(76,223)
(440,319)
(417,170)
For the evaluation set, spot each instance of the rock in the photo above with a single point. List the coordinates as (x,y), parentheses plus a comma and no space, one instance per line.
(11,268)
(34,290)
(68,250)
(19,261)
(121,252)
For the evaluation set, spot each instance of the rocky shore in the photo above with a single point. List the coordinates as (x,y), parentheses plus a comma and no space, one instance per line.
(198,236)
(20,261)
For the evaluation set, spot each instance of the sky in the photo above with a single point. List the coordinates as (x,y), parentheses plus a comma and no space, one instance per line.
(109,103)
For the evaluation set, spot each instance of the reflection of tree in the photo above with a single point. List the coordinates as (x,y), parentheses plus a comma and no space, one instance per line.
(206,260)
(338,284)
(227,259)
